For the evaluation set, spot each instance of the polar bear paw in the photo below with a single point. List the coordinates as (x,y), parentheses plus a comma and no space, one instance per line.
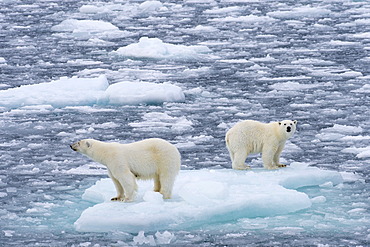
(244,167)
(117,199)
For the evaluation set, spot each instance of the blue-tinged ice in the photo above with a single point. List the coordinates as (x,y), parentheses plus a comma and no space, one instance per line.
(203,197)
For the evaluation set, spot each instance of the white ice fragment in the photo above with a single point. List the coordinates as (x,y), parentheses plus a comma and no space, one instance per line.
(156,49)
(300,13)
(363,89)
(249,19)
(296,86)
(327,185)
(164,238)
(141,239)
(150,6)
(59,93)
(8,233)
(318,199)
(142,92)
(344,129)
(73,25)
(364,154)
(87,91)
(357,211)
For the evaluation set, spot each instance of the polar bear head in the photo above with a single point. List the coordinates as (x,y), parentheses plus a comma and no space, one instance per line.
(287,128)
(83,146)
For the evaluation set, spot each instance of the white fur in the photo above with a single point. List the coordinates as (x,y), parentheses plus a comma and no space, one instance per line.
(250,136)
(148,159)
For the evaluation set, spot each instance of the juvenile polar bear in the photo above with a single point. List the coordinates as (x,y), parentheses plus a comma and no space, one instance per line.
(250,136)
(148,159)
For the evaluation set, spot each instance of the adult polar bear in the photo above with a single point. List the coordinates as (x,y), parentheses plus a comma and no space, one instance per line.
(148,159)
(251,136)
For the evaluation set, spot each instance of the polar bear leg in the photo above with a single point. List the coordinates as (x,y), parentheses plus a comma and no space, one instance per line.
(268,155)
(277,157)
(238,161)
(157,183)
(166,185)
(119,189)
(128,183)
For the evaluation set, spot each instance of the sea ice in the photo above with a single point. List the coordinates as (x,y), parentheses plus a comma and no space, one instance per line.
(89,91)
(249,19)
(63,92)
(300,12)
(156,49)
(133,93)
(204,197)
(86,29)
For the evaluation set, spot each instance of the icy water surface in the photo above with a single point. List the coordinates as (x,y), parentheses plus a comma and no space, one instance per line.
(266,60)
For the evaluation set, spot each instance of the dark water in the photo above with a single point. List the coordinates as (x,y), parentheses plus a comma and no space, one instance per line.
(270,60)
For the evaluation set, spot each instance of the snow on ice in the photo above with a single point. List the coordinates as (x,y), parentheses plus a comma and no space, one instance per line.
(203,197)
(89,91)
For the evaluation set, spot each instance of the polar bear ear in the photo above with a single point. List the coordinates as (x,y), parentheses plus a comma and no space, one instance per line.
(295,122)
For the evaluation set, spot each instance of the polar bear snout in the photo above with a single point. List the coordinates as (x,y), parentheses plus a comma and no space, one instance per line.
(74,146)
(288,129)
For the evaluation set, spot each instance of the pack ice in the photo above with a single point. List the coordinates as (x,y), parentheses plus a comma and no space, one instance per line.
(89,91)
(203,197)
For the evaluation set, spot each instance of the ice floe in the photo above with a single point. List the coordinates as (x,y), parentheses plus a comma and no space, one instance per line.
(90,91)
(86,29)
(155,48)
(204,197)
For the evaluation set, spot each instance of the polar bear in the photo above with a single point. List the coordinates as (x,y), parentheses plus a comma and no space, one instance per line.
(251,136)
(148,159)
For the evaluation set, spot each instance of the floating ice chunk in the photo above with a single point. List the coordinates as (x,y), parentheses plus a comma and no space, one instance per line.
(343,43)
(249,19)
(227,10)
(362,35)
(203,197)
(344,129)
(150,6)
(267,59)
(2,60)
(87,91)
(295,86)
(313,61)
(300,12)
(364,154)
(156,49)
(164,238)
(141,239)
(86,29)
(159,120)
(142,92)
(63,92)
(363,89)
(318,199)
(73,25)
